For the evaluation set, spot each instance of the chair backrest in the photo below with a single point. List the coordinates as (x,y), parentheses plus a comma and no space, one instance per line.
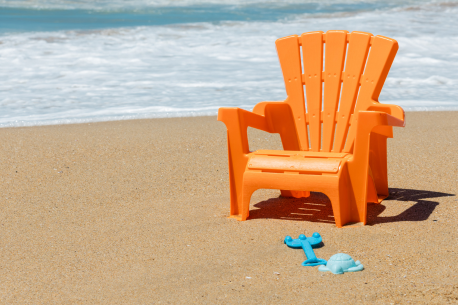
(355,68)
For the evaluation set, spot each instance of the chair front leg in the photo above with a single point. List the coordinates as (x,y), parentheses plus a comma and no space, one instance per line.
(237,121)
(237,165)
(358,166)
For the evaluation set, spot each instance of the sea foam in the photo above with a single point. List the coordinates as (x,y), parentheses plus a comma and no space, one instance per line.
(191,69)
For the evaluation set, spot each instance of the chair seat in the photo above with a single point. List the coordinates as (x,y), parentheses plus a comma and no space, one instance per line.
(295,161)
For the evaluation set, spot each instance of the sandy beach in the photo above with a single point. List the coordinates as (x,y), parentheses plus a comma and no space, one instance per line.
(135,212)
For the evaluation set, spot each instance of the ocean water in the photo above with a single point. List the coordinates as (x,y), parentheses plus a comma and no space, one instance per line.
(70,61)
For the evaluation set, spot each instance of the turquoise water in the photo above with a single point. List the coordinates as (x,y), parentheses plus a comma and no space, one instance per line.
(21,19)
(67,61)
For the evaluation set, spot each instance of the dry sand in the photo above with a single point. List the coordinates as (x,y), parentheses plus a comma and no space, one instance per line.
(134,212)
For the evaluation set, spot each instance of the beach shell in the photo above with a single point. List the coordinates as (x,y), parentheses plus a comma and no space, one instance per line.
(340,263)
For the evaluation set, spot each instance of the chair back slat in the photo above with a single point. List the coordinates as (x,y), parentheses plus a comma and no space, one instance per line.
(381,56)
(329,115)
(312,52)
(288,50)
(335,48)
(358,48)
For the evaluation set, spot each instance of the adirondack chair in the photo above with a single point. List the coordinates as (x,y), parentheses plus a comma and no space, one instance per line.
(336,149)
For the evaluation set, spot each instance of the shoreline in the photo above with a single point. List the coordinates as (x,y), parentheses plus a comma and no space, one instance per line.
(169,115)
(135,211)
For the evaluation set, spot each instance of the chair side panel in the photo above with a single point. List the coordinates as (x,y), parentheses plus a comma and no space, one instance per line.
(312,52)
(336,46)
(288,50)
(358,48)
(383,51)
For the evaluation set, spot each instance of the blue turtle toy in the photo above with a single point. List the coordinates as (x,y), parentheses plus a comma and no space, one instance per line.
(307,243)
(340,263)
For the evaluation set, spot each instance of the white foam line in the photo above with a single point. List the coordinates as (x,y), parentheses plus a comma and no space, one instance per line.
(21,122)
(27,123)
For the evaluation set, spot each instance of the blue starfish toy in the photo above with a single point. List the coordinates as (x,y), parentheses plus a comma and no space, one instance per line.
(307,243)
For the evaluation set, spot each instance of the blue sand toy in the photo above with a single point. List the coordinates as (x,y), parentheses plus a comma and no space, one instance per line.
(307,243)
(340,263)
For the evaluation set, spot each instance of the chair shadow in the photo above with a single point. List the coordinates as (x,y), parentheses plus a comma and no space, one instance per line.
(419,211)
(317,207)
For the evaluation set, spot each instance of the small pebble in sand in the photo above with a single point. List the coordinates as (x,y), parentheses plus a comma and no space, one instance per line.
(277,273)
(248,277)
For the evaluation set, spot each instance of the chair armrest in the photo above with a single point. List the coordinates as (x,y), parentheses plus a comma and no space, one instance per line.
(245,118)
(260,108)
(237,121)
(393,110)
(366,121)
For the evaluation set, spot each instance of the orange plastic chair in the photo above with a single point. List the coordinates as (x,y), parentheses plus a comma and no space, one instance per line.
(336,150)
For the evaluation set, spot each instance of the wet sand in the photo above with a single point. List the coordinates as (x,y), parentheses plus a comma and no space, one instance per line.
(135,212)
